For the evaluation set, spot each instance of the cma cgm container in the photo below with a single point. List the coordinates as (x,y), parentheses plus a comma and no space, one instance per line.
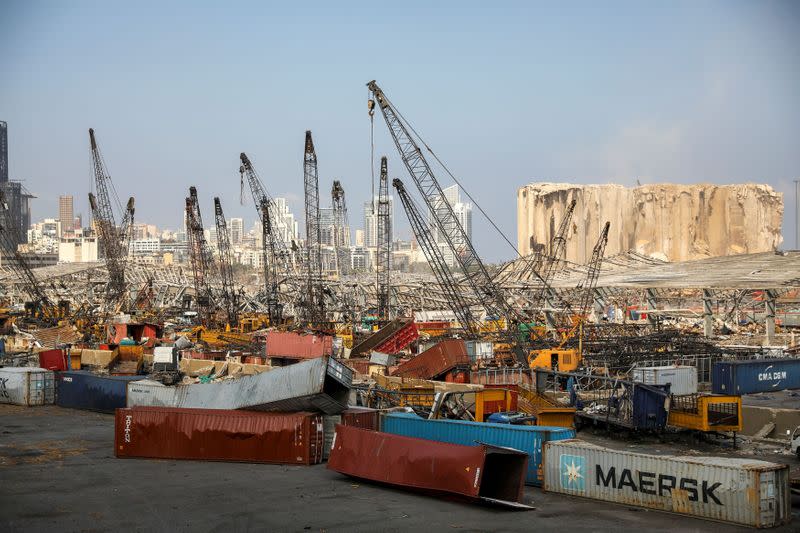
(741,491)
(84,390)
(26,386)
(760,375)
(218,435)
(528,439)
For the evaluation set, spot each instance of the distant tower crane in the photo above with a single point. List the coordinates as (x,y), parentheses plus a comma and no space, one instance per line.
(341,231)
(270,265)
(314,307)
(199,256)
(384,243)
(112,240)
(229,295)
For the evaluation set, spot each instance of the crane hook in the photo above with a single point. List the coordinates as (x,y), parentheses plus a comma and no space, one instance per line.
(371,106)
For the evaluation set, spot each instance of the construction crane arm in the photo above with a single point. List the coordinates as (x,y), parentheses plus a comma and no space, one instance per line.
(229,295)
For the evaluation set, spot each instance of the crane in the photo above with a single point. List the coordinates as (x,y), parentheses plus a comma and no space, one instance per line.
(315,303)
(384,243)
(229,295)
(446,221)
(283,252)
(435,257)
(567,360)
(109,236)
(42,305)
(341,229)
(199,256)
(269,263)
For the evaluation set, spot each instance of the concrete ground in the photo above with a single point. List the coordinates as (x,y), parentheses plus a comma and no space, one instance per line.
(58,472)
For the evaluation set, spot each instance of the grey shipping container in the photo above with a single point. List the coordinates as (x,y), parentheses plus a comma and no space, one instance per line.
(26,386)
(760,375)
(681,379)
(742,491)
(321,384)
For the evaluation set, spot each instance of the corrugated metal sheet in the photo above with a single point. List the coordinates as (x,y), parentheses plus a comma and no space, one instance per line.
(682,379)
(57,336)
(317,384)
(83,390)
(763,375)
(26,386)
(290,345)
(435,361)
(480,473)
(742,491)
(528,439)
(381,337)
(218,435)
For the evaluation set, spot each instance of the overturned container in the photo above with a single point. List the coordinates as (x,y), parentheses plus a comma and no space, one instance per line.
(26,386)
(480,473)
(218,435)
(741,491)
(321,384)
(359,417)
(79,389)
(529,439)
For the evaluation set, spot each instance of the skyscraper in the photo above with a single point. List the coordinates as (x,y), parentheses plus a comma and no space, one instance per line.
(65,213)
(371,222)
(3,152)
(237,231)
(463,213)
(18,216)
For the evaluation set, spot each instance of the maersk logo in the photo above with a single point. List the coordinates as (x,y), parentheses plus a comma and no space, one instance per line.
(573,472)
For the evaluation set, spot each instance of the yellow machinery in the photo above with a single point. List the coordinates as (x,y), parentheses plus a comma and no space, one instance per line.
(555,359)
(546,411)
(706,412)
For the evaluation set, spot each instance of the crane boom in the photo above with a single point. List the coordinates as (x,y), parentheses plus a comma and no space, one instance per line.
(229,295)
(198,256)
(315,303)
(593,272)
(384,243)
(274,308)
(341,229)
(106,227)
(448,225)
(436,260)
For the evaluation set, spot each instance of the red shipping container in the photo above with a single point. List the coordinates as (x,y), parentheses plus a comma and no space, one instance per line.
(360,417)
(360,366)
(481,473)
(218,435)
(53,360)
(435,361)
(290,345)
(404,336)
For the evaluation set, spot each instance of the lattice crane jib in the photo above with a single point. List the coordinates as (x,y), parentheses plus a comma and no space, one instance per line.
(269,265)
(229,295)
(314,307)
(384,251)
(199,256)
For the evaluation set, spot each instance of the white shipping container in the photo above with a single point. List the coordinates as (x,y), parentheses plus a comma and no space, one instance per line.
(26,386)
(682,379)
(741,491)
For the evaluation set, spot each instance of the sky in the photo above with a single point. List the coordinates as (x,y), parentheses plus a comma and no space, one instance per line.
(506,93)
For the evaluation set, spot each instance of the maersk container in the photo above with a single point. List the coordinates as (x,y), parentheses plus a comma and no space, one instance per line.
(84,390)
(528,439)
(742,491)
(759,375)
(682,379)
(26,386)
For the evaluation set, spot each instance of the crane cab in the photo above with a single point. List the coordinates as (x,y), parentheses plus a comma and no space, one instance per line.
(555,359)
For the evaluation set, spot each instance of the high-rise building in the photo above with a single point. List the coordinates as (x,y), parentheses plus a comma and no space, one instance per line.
(236,229)
(65,212)
(17,218)
(371,222)
(284,221)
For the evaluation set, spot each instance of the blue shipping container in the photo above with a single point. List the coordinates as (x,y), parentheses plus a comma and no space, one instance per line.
(650,406)
(83,390)
(758,375)
(529,439)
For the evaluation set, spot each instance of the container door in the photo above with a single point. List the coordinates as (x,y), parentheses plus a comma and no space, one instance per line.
(767,498)
(36,388)
(49,388)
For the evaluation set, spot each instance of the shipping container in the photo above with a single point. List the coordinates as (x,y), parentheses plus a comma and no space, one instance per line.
(380,358)
(435,361)
(290,345)
(79,389)
(218,435)
(316,384)
(681,379)
(480,473)
(528,439)
(480,350)
(391,338)
(751,376)
(359,417)
(741,491)
(26,386)
(402,338)
(650,407)
(53,359)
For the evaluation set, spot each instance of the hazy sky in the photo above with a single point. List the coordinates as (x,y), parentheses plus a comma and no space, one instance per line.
(505,92)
